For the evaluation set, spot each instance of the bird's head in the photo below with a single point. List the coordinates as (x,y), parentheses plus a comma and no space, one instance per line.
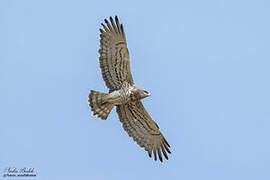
(138,94)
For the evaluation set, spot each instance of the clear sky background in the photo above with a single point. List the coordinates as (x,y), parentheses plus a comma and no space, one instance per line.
(206,64)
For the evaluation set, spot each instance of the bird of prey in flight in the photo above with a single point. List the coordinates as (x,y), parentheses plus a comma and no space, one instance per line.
(115,67)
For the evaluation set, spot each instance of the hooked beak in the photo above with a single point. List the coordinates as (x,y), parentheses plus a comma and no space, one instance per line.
(147,93)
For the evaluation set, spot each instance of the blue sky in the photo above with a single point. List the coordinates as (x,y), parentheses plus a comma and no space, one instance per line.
(205,63)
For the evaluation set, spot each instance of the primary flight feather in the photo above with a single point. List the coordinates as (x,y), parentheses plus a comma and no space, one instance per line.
(115,67)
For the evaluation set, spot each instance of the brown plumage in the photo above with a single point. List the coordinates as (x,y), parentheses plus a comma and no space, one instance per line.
(115,67)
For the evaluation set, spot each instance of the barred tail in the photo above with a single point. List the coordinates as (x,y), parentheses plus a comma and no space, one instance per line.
(99,104)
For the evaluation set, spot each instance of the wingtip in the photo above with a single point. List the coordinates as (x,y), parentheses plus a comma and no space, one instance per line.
(122,28)
(150,154)
(166,156)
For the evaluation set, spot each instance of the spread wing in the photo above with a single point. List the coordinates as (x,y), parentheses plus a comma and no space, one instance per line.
(114,56)
(143,129)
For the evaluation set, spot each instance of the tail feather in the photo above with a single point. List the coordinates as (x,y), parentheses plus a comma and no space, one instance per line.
(99,104)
